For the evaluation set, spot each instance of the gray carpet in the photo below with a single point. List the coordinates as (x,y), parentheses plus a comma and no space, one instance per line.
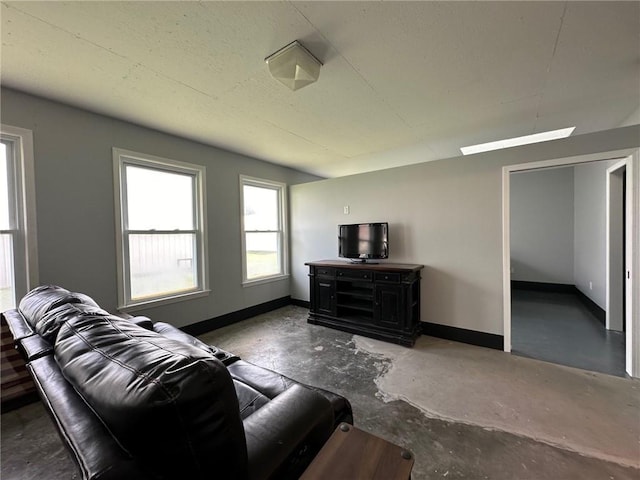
(558,328)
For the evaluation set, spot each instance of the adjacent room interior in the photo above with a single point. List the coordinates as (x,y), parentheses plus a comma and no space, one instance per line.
(186,172)
(558,256)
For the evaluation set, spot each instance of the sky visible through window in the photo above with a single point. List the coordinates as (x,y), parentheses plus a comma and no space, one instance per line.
(260,208)
(159,200)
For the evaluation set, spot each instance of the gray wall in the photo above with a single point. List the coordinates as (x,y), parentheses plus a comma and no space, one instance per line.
(75,204)
(445,214)
(542,225)
(590,230)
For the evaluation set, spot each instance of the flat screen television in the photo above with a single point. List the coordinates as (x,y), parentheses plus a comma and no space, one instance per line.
(363,241)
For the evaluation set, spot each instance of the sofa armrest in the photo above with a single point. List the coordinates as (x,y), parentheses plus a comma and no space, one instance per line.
(95,451)
(17,324)
(298,417)
(34,347)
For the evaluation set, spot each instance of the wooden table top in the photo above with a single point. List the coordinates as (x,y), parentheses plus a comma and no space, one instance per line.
(351,453)
(401,267)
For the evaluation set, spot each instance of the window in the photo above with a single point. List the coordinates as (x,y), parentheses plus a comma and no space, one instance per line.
(160,227)
(18,253)
(263,229)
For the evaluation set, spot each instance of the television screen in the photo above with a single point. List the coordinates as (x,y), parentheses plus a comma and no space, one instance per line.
(363,240)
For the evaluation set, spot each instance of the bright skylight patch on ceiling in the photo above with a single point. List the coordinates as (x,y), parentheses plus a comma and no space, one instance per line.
(517,141)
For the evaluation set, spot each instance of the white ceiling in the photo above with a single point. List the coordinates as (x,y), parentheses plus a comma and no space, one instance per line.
(402,82)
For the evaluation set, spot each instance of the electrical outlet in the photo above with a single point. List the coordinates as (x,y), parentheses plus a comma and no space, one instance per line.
(590,285)
(346,209)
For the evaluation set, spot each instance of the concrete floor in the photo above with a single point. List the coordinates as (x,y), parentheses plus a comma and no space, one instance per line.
(465,411)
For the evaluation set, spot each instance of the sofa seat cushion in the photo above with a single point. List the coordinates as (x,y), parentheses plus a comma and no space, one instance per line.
(265,381)
(249,399)
(168,403)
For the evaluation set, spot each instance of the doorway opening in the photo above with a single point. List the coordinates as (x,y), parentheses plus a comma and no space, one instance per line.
(569,310)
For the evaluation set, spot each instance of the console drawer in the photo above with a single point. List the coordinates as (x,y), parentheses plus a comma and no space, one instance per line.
(328,272)
(355,275)
(388,277)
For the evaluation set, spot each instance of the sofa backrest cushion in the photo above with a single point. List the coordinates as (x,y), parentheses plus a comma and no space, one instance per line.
(48,325)
(168,403)
(170,331)
(44,299)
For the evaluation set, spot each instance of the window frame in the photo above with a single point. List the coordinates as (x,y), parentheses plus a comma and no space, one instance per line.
(123,158)
(23,205)
(283,240)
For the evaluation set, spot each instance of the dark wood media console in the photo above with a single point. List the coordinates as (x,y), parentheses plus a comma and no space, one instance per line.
(376,300)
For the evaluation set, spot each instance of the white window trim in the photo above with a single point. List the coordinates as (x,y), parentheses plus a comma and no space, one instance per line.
(122,157)
(284,238)
(26,207)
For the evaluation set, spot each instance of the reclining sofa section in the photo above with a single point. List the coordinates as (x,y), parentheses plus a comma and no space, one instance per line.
(134,399)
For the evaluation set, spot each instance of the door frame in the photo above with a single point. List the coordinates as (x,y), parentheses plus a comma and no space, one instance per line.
(614,274)
(632,159)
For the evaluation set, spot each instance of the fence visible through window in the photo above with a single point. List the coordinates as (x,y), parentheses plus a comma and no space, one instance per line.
(161,263)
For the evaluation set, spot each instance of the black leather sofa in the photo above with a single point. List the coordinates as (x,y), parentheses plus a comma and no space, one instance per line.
(134,399)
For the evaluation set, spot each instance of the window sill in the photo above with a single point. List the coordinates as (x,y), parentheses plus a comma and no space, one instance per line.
(260,281)
(143,305)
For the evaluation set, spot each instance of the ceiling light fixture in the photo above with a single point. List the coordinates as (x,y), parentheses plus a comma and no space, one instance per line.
(294,66)
(517,141)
